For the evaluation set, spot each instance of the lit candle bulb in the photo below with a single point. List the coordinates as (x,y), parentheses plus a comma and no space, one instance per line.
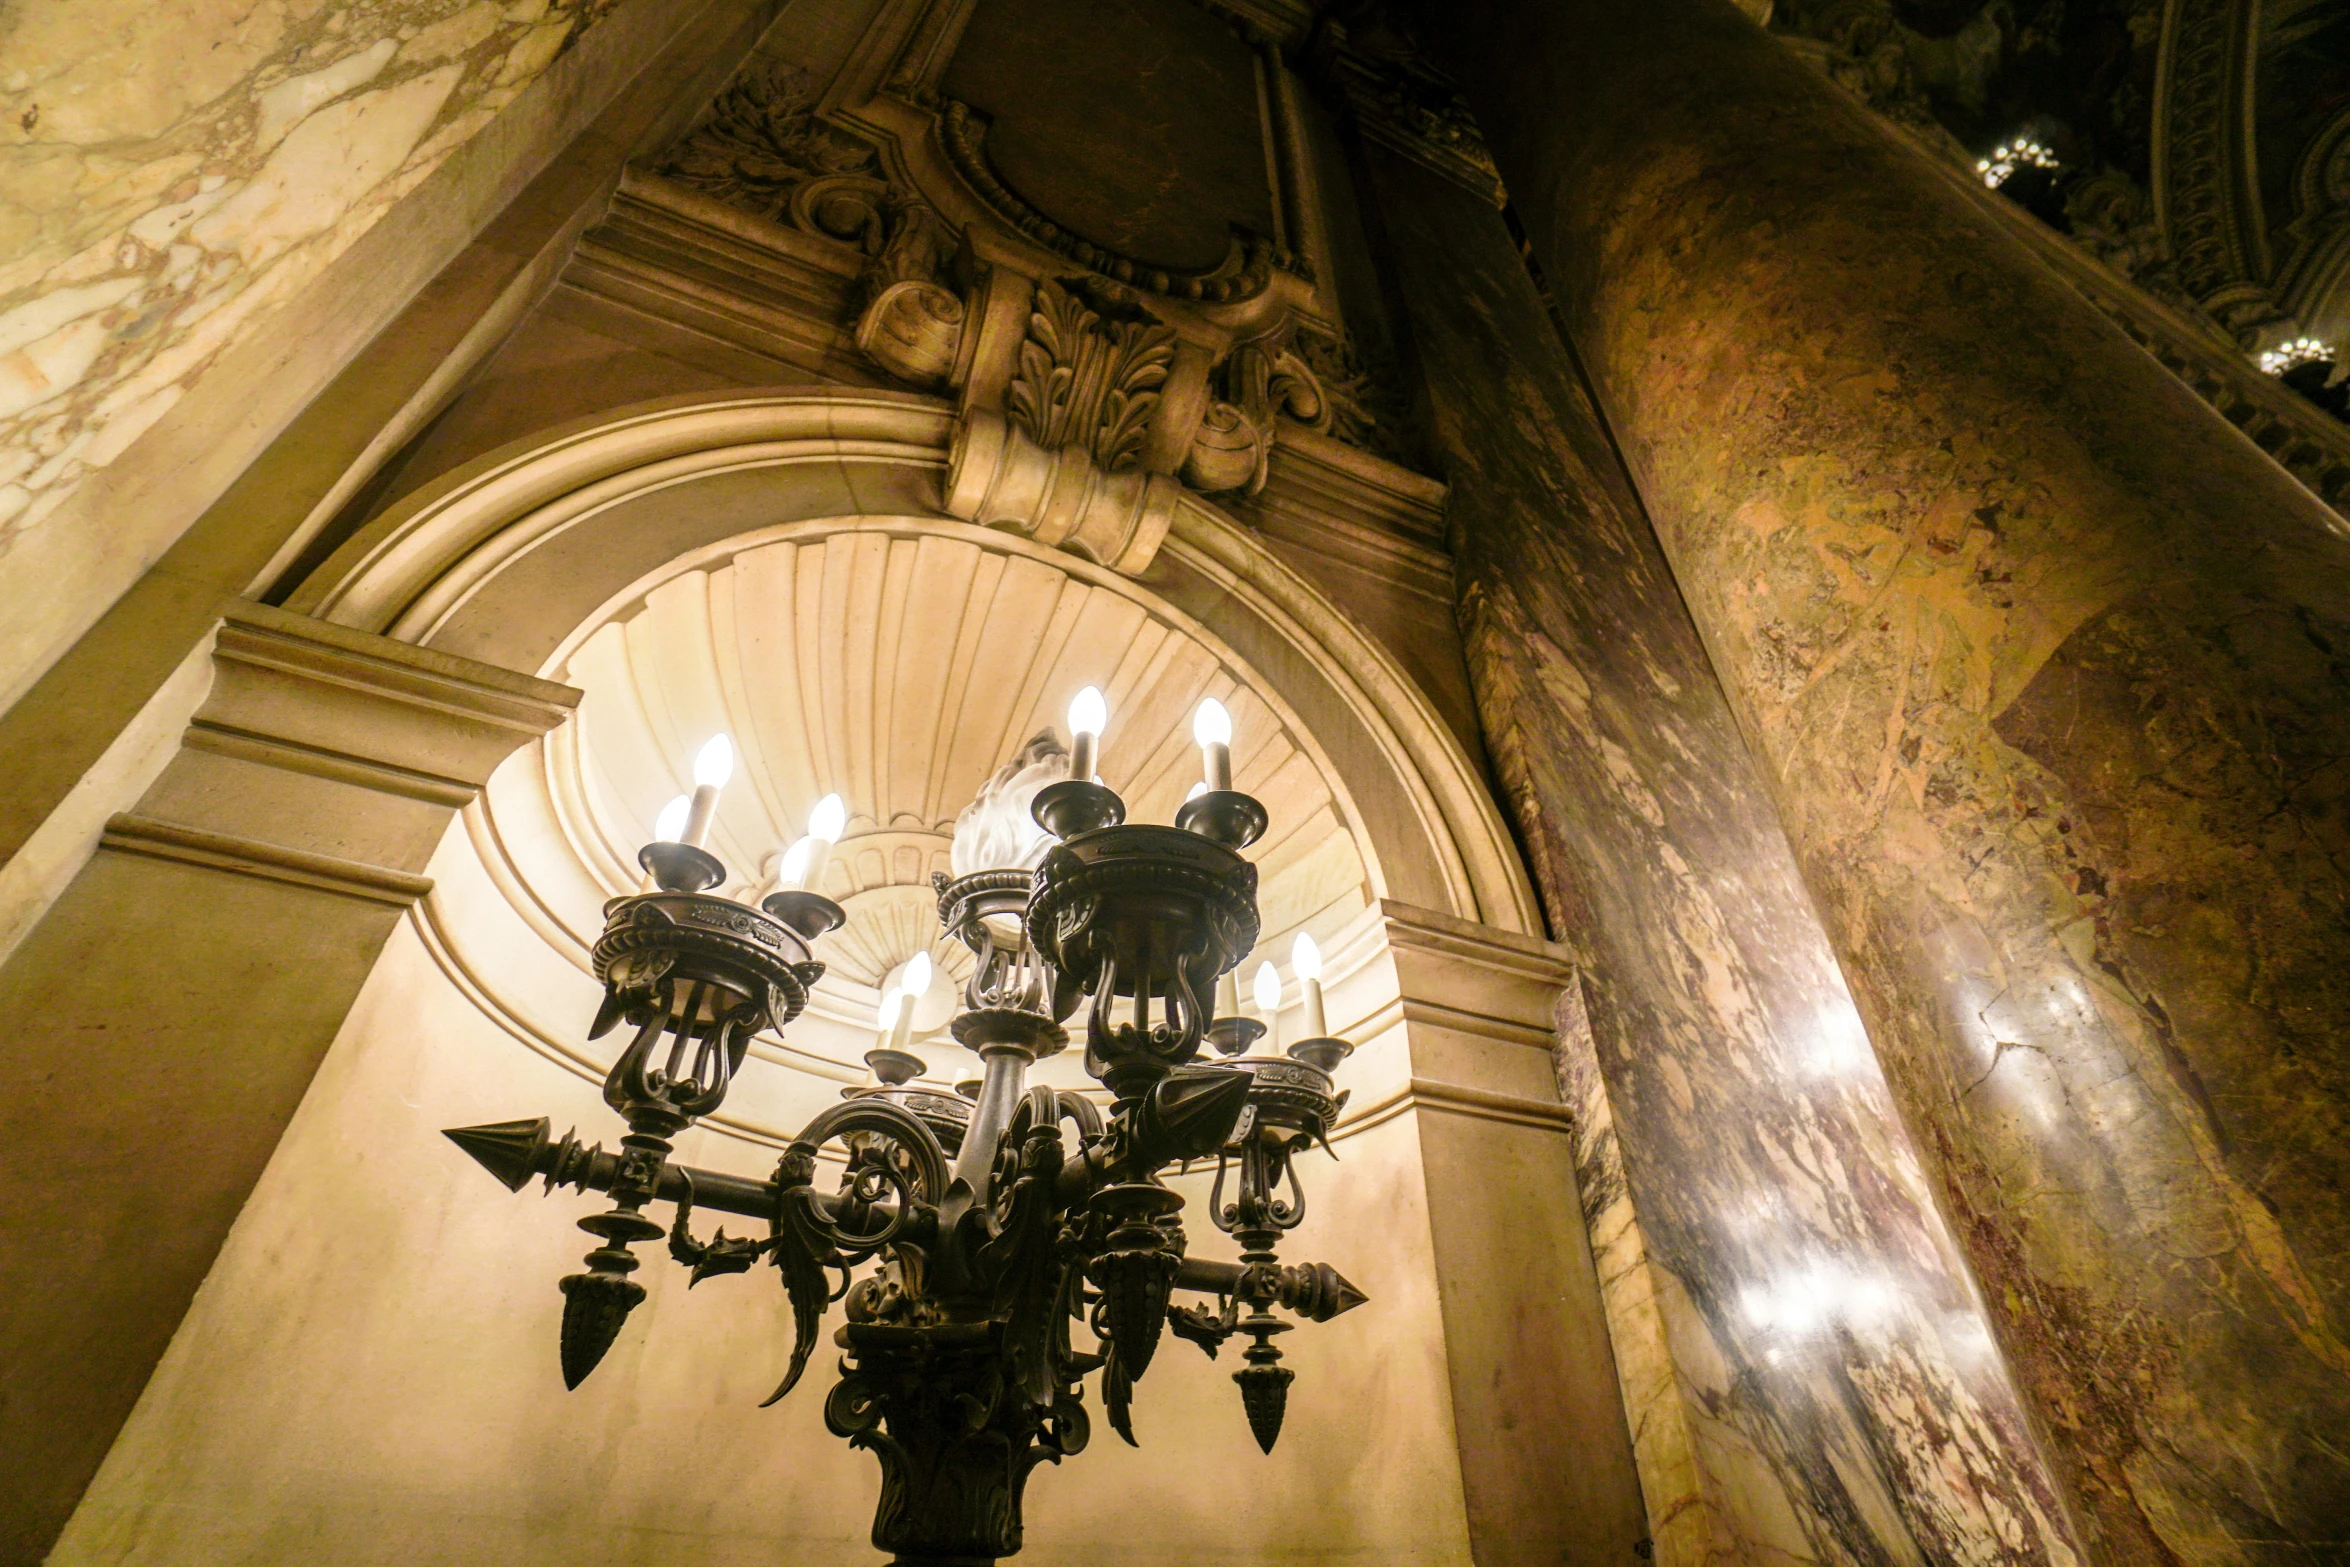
(1211,726)
(668,827)
(1306,958)
(713,766)
(911,985)
(825,825)
(1197,790)
(1267,992)
(1088,714)
(893,1006)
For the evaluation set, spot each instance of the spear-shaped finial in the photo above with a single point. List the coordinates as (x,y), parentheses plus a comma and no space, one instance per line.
(509,1150)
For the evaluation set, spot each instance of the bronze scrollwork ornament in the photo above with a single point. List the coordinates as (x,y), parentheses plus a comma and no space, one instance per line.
(966,1240)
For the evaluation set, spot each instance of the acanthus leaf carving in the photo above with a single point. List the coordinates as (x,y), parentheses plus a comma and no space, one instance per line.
(1366,409)
(763,146)
(1091,372)
(765,151)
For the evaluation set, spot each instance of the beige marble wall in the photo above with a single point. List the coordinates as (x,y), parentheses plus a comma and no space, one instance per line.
(172,174)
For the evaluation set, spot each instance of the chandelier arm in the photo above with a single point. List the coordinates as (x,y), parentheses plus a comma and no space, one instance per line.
(900,1125)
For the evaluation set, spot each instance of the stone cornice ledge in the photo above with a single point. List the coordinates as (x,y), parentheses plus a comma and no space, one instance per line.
(269,638)
(1427,1093)
(128,833)
(1449,936)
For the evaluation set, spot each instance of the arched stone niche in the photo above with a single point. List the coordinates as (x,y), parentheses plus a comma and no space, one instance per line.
(507,558)
(369,1370)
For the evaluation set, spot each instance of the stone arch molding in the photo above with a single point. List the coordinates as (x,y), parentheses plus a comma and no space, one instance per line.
(517,557)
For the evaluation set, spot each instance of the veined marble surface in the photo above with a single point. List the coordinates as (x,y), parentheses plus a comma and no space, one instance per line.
(171,169)
(1808,1370)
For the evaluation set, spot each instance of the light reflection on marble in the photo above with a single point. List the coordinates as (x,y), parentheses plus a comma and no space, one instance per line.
(157,198)
(1802,1353)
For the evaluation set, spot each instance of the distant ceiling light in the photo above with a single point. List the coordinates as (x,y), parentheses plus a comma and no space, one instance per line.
(2008,157)
(2289,356)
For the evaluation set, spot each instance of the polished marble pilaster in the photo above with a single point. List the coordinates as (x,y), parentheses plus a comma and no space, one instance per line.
(1800,1351)
(2045,665)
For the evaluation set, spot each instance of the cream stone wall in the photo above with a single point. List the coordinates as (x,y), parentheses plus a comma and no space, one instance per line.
(369,1374)
(172,175)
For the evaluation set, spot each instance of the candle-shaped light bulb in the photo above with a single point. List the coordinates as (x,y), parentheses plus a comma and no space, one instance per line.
(713,765)
(1088,716)
(825,825)
(793,872)
(1306,958)
(886,1018)
(1267,993)
(1197,790)
(1211,726)
(917,980)
(1267,990)
(909,991)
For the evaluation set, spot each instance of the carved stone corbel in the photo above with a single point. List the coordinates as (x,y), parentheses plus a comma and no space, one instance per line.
(1000,477)
(1057,425)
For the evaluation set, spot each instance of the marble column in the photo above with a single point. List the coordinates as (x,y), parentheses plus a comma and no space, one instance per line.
(166,1015)
(1807,1369)
(2049,670)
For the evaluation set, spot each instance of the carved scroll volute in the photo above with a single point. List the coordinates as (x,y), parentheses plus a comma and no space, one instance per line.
(1261,384)
(1229,453)
(914,330)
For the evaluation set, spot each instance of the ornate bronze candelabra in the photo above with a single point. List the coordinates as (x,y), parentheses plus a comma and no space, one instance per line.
(1000,1224)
